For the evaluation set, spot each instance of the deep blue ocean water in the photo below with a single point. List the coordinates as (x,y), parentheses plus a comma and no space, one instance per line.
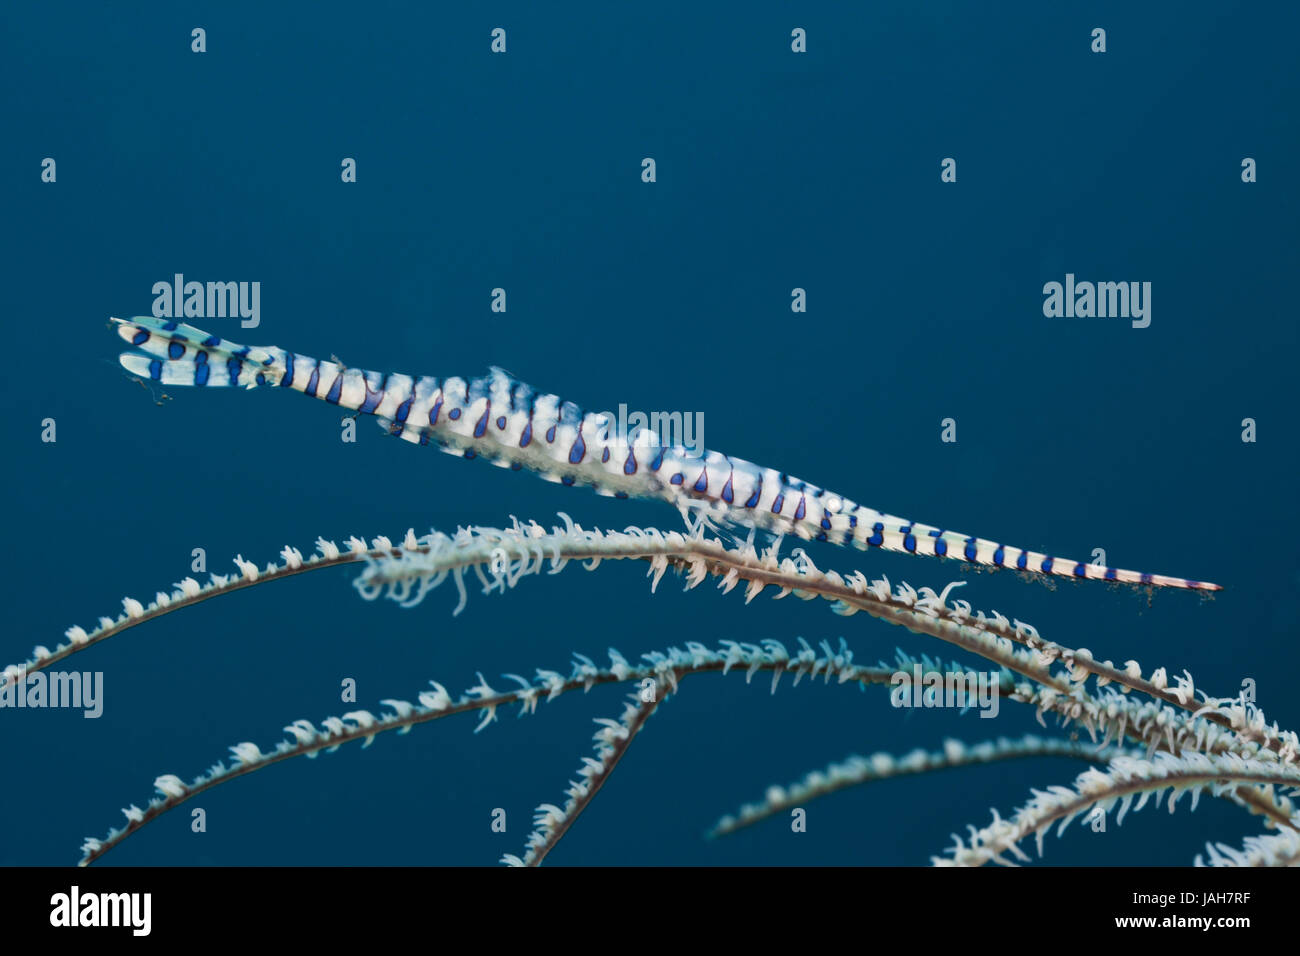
(522,171)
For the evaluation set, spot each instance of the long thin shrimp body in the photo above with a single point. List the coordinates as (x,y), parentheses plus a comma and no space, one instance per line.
(507,422)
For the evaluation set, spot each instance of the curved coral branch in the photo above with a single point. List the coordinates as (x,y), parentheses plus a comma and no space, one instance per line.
(665,670)
(516,552)
(500,557)
(612,740)
(856,770)
(1125,779)
(190,592)
(1279,849)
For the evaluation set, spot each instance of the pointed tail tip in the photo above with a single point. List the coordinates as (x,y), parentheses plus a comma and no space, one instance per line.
(1186,584)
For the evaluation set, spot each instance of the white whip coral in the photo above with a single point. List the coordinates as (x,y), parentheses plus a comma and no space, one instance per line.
(1152,738)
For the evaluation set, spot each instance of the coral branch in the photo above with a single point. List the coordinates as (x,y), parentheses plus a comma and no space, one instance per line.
(514,553)
(1280,849)
(189,593)
(1125,779)
(856,770)
(612,740)
(499,558)
(665,669)
(1172,720)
